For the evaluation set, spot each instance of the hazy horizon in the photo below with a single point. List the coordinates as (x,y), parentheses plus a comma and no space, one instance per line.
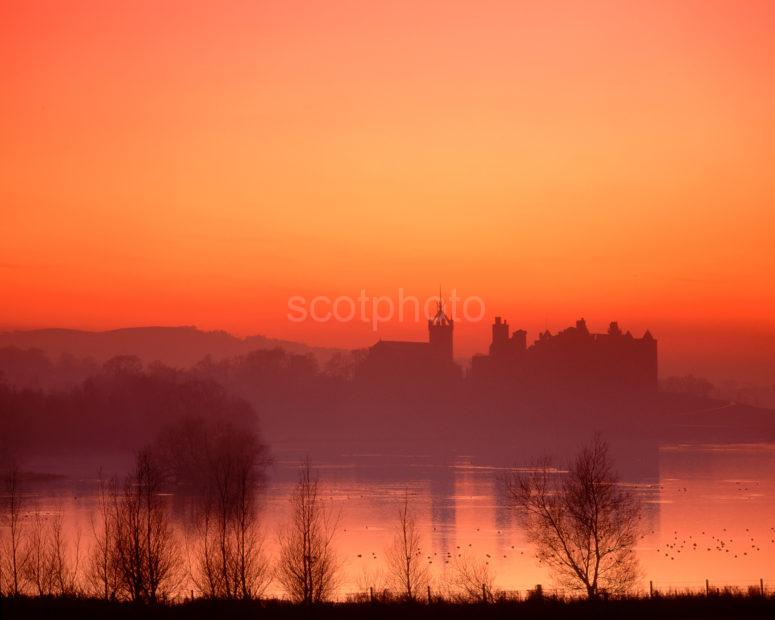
(203,166)
(742,355)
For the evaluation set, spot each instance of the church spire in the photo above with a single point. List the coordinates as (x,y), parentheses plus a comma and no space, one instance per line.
(440,318)
(440,330)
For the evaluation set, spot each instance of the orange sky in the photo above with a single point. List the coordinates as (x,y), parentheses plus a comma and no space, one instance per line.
(199,163)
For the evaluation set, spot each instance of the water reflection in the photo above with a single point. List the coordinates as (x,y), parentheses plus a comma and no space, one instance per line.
(710,514)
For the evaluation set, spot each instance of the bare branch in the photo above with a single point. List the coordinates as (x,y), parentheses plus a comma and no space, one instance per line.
(583,524)
(308,567)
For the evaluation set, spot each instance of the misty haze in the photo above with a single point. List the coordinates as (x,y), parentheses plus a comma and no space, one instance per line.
(379,309)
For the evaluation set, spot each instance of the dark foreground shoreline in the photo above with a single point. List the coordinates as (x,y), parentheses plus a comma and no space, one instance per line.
(662,608)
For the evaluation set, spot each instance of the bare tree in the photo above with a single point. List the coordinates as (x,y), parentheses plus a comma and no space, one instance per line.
(371,582)
(63,563)
(145,551)
(251,572)
(308,567)
(49,568)
(37,571)
(408,571)
(472,578)
(583,523)
(102,570)
(13,558)
(231,562)
(222,465)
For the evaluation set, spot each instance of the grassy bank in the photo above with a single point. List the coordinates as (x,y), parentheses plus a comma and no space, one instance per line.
(663,608)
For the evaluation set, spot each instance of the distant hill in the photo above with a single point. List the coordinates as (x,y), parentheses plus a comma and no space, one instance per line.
(176,346)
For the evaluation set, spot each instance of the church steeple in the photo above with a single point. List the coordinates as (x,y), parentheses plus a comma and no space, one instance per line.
(441,318)
(440,328)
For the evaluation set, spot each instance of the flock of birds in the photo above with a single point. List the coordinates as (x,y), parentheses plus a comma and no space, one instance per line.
(446,557)
(721,542)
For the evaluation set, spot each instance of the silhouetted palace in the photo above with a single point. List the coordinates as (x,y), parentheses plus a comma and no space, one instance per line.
(392,360)
(573,358)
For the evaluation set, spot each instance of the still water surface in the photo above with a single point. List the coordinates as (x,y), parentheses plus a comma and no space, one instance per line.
(699,496)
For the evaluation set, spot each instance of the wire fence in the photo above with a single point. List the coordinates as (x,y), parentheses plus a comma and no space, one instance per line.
(537,592)
(701,587)
(763,587)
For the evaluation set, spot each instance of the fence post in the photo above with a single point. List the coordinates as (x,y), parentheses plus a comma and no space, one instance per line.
(651,589)
(761,585)
(484,593)
(429,594)
(707,588)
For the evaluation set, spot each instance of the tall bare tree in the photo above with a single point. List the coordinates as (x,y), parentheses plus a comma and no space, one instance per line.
(251,569)
(308,566)
(13,560)
(50,568)
(222,466)
(408,570)
(102,572)
(231,561)
(37,565)
(583,523)
(145,552)
(64,562)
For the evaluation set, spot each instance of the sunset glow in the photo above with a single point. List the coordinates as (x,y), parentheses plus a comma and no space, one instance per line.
(191,163)
(387,309)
